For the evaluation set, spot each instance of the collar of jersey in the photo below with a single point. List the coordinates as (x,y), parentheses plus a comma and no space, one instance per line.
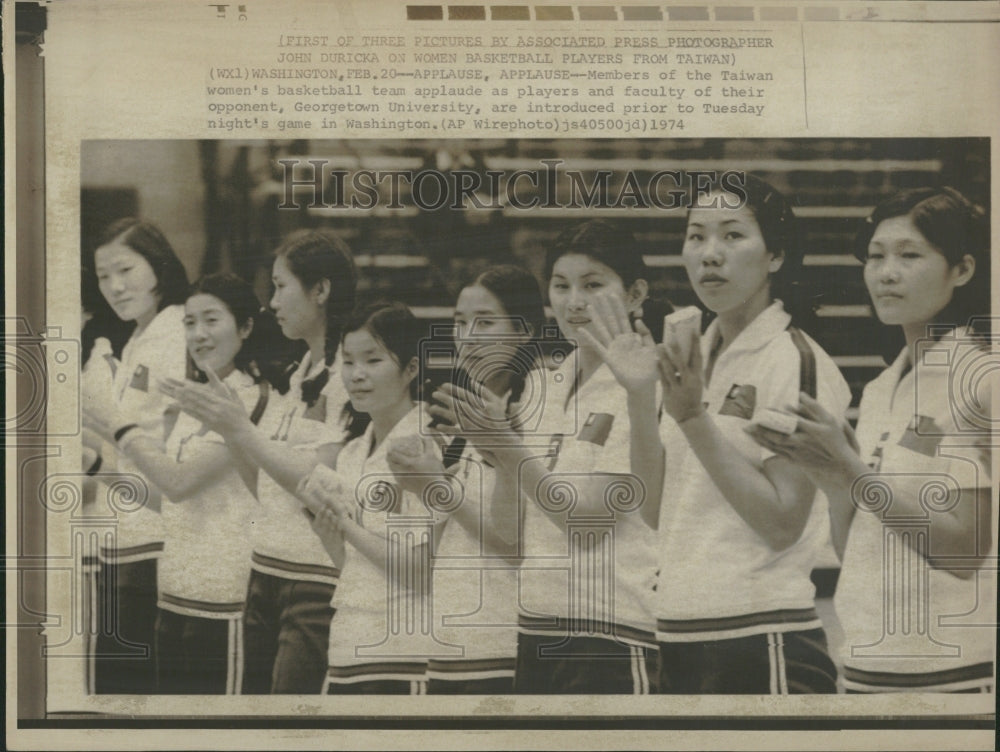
(307,369)
(769,323)
(408,424)
(163,325)
(238,379)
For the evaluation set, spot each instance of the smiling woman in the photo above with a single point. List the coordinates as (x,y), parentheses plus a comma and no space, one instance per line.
(213,333)
(499,318)
(206,560)
(202,573)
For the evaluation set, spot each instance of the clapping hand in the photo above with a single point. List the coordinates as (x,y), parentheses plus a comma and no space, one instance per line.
(214,404)
(683,383)
(97,379)
(328,507)
(328,525)
(415,462)
(324,489)
(823,446)
(471,412)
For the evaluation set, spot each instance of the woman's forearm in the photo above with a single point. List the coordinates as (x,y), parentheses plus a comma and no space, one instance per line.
(414,566)
(178,481)
(837,484)
(646,454)
(558,495)
(841,512)
(778,515)
(503,515)
(286,464)
(960,528)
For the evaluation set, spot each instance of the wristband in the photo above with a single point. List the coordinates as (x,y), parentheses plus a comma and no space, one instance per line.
(94,466)
(124,430)
(692,417)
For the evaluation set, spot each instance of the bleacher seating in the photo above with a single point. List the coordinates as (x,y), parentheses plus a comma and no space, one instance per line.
(422,257)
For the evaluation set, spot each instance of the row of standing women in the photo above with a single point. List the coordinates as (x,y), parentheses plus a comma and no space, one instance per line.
(644,517)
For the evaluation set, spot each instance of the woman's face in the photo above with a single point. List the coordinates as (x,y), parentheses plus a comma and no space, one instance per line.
(297,309)
(213,336)
(576,280)
(127,282)
(372,376)
(487,337)
(726,258)
(908,278)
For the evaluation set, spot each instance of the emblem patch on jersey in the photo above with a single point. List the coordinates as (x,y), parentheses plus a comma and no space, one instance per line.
(876,460)
(922,436)
(140,379)
(740,402)
(281,432)
(596,428)
(555,444)
(317,411)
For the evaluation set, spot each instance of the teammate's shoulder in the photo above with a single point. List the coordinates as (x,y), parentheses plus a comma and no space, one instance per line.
(789,346)
(169,316)
(166,329)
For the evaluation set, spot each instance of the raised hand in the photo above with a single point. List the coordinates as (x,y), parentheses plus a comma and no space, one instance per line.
(683,382)
(631,355)
(97,378)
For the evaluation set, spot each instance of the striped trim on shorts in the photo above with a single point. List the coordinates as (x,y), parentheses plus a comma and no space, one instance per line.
(232,614)
(975,678)
(414,673)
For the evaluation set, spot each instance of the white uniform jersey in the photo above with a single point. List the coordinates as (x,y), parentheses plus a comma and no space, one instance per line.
(206,559)
(381,629)
(907,624)
(718,578)
(474,590)
(158,352)
(595,576)
(284,544)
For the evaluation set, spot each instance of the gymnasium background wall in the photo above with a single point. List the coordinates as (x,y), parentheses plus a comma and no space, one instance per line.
(217,202)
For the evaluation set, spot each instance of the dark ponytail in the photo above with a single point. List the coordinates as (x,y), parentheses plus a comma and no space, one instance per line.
(313,256)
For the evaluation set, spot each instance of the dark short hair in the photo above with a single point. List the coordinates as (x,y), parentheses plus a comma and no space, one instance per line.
(955,227)
(616,248)
(394,326)
(517,290)
(603,241)
(149,242)
(779,228)
(241,301)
